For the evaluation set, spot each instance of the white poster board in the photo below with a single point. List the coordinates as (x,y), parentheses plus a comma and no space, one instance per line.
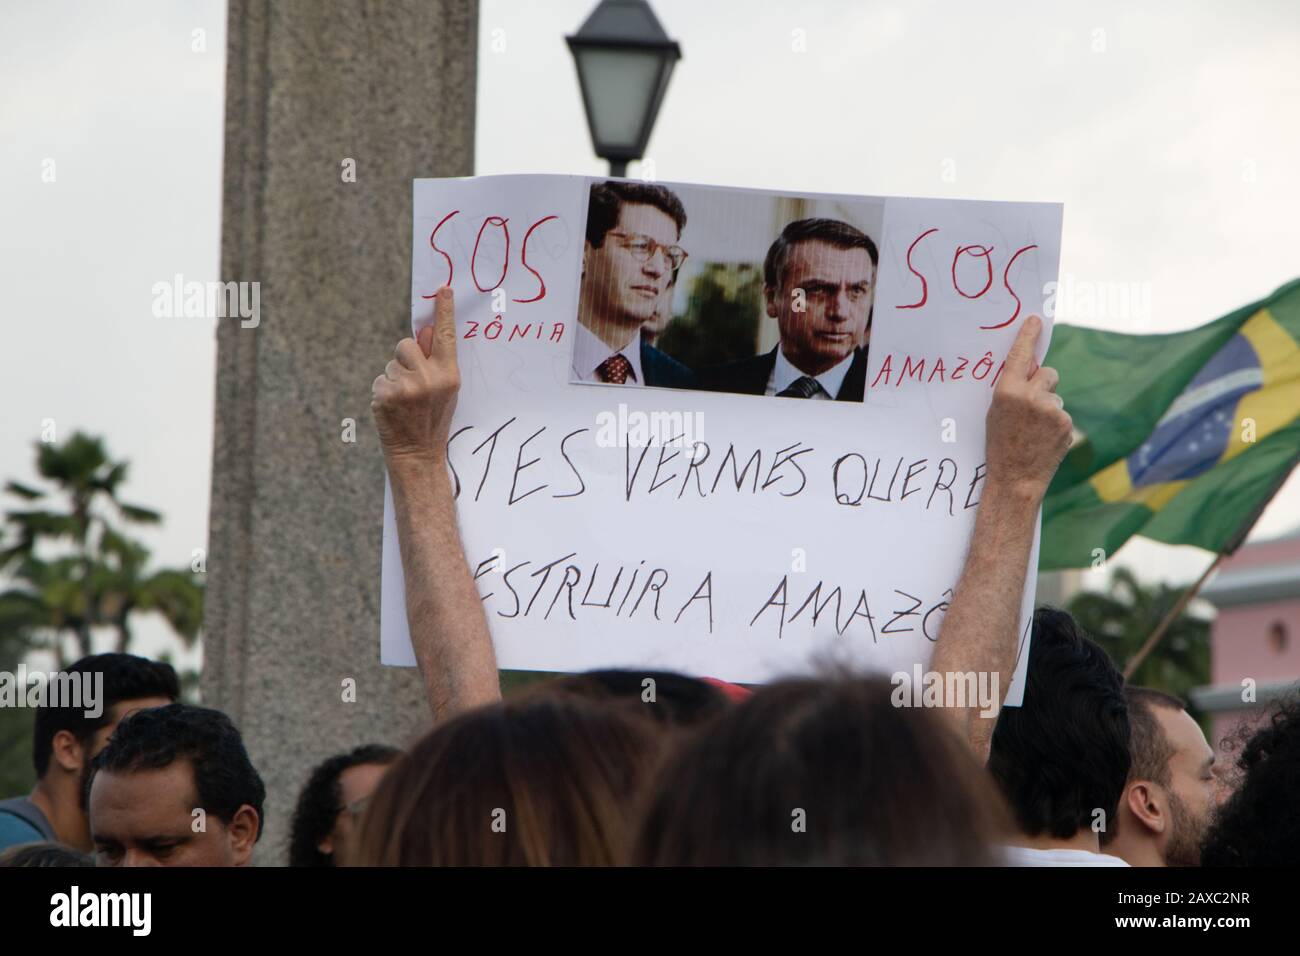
(708,527)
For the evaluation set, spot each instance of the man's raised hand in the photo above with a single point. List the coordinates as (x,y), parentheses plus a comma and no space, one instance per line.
(413,400)
(1027,430)
(1027,434)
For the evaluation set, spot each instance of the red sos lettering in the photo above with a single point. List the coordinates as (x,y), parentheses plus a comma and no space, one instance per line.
(501,226)
(977,251)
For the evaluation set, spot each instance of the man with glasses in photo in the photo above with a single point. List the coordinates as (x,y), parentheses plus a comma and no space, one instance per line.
(629,261)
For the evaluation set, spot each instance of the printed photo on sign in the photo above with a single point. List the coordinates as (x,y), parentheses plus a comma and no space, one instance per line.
(728,432)
(743,292)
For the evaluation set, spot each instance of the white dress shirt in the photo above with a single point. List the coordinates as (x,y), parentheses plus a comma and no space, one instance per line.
(784,374)
(589,353)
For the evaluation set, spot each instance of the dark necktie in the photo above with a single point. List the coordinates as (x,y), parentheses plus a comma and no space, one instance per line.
(614,369)
(802,387)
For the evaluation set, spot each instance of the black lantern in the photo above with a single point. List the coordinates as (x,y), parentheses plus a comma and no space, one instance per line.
(624,60)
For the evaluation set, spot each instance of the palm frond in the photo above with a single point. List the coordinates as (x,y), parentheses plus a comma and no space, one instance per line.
(23,491)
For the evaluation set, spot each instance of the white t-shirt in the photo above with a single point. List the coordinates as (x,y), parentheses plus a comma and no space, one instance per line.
(1057,856)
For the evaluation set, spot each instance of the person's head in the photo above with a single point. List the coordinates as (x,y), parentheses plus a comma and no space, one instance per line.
(1259,824)
(665,697)
(331,802)
(47,854)
(631,255)
(175,787)
(66,740)
(1169,797)
(541,779)
(822,772)
(819,280)
(1061,758)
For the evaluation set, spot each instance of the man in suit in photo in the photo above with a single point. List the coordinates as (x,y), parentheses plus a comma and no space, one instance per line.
(819,280)
(629,260)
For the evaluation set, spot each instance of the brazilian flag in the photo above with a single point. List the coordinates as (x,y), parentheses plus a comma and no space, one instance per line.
(1185,437)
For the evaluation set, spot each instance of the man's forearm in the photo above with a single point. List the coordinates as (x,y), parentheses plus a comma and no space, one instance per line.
(449,631)
(981,630)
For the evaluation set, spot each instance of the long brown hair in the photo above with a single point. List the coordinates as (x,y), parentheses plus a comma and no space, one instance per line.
(543,779)
(823,772)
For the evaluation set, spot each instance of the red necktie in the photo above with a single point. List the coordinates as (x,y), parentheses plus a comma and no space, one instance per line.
(614,369)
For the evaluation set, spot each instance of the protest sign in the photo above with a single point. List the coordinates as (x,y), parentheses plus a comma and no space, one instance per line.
(730,432)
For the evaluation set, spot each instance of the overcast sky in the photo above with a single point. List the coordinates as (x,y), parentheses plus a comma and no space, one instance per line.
(1167,131)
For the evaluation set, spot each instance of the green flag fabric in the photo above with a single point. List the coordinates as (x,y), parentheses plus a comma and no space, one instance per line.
(1185,436)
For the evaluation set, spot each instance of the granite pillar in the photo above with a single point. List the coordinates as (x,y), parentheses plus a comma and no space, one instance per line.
(386,87)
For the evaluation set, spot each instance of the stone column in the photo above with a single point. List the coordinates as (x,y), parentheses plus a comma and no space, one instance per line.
(293,562)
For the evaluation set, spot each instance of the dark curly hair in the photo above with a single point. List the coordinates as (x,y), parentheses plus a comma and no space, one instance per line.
(321,801)
(1064,753)
(223,775)
(1259,825)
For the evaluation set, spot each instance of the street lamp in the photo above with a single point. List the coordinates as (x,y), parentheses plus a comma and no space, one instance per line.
(624,60)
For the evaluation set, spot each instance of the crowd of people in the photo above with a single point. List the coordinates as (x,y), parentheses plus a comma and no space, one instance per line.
(585,771)
(636,767)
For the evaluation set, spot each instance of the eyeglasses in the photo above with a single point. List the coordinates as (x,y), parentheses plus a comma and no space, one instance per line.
(643,249)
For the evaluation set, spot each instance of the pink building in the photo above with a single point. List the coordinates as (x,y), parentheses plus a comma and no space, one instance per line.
(1256,636)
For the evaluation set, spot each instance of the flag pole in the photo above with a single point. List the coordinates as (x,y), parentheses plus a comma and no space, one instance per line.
(1231,546)
(1136,660)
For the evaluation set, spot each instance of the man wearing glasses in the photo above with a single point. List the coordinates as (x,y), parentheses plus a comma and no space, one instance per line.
(819,280)
(629,261)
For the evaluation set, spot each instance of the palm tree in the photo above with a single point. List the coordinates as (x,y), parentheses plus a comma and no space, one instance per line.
(123,588)
(102,582)
(49,601)
(1120,620)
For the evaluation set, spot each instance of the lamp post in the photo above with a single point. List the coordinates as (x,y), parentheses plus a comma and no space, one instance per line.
(624,59)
